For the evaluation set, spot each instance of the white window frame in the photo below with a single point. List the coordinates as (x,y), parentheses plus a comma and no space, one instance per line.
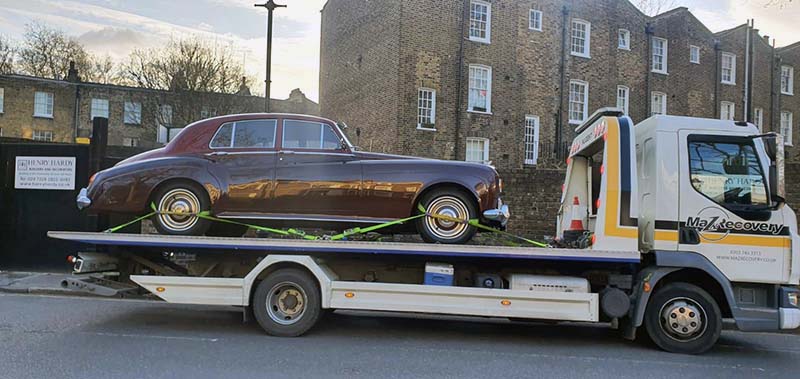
(663,97)
(531,140)
(130,141)
(664,56)
(732,68)
(727,111)
(787,127)
(787,81)
(485,149)
(587,41)
(488,88)
(420,108)
(692,58)
(624,39)
(585,102)
(43,99)
(164,129)
(626,99)
(488,26)
(132,108)
(535,20)
(99,108)
(2,101)
(758,118)
(42,135)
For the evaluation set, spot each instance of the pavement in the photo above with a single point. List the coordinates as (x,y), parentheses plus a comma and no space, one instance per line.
(43,283)
(82,337)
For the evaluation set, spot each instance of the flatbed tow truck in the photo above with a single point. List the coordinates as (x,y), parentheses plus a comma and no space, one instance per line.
(685,225)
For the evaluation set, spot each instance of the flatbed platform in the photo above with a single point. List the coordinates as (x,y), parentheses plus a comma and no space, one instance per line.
(275,246)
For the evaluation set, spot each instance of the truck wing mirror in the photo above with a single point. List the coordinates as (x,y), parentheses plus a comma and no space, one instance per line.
(773,147)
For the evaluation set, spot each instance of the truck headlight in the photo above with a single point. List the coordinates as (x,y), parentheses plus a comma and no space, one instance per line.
(792,298)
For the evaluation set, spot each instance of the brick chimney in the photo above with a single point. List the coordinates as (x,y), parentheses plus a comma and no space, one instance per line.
(72,74)
(244,90)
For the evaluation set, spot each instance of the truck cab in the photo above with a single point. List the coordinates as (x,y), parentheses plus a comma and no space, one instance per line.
(701,200)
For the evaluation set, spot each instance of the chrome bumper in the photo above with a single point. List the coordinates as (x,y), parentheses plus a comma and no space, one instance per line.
(499,214)
(83,200)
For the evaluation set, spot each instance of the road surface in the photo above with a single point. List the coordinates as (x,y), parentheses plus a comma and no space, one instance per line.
(75,337)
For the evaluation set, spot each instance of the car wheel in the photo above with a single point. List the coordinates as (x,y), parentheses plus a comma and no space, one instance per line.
(178,203)
(287,303)
(683,318)
(223,229)
(454,204)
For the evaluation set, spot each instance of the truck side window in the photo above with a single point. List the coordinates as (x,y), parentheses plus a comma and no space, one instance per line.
(728,173)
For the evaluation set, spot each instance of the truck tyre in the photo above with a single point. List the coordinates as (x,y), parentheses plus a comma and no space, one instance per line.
(452,203)
(181,197)
(287,303)
(683,318)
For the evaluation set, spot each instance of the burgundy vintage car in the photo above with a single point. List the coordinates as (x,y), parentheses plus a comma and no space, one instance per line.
(292,170)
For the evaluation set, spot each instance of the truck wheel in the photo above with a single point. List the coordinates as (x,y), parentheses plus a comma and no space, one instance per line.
(683,318)
(451,203)
(287,303)
(178,202)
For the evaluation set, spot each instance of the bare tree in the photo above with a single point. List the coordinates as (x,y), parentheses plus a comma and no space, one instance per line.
(101,70)
(46,52)
(7,54)
(187,65)
(780,3)
(654,7)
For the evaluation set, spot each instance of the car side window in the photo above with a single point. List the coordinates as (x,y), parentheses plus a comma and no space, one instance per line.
(728,173)
(254,133)
(299,134)
(223,137)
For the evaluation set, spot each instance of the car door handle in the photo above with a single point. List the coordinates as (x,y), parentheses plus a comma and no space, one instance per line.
(286,152)
(217,153)
(688,236)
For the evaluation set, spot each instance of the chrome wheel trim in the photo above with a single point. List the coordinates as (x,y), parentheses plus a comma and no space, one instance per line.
(448,206)
(286,303)
(178,208)
(683,319)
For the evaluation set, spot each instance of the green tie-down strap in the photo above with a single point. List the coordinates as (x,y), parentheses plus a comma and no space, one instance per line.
(350,232)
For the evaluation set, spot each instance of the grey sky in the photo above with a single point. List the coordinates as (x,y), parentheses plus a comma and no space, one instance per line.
(118,26)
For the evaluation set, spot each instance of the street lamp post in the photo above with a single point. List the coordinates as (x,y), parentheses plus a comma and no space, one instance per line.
(270,5)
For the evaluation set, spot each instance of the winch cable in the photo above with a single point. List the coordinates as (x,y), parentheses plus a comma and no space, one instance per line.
(341,236)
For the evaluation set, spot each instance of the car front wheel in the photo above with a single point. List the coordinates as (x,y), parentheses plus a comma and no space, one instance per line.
(178,205)
(456,209)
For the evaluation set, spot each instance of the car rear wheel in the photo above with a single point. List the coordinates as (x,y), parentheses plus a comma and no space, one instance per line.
(178,205)
(454,205)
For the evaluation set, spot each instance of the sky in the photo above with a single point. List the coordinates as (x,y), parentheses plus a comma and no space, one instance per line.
(116,27)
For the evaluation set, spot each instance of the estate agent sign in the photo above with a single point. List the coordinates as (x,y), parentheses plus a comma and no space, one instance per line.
(48,173)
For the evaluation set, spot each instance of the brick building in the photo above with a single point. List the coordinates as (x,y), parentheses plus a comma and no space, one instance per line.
(62,110)
(507,81)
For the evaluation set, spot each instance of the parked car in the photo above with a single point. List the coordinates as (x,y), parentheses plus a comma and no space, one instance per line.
(292,170)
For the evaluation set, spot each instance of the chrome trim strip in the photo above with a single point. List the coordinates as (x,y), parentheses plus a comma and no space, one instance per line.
(245,216)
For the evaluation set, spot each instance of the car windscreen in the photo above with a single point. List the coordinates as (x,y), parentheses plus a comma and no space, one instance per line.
(299,134)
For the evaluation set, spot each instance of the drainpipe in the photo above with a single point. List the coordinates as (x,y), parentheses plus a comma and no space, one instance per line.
(77,114)
(717,78)
(649,30)
(562,74)
(746,89)
(460,79)
(773,98)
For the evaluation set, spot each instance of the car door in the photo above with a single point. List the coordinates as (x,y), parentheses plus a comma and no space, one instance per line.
(316,176)
(725,211)
(245,156)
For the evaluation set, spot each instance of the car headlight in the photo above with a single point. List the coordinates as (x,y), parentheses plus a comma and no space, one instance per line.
(792,298)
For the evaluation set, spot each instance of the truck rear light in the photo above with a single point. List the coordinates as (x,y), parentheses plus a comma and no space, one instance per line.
(72,259)
(792,298)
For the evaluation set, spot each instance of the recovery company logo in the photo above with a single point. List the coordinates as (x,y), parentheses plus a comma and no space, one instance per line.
(714,224)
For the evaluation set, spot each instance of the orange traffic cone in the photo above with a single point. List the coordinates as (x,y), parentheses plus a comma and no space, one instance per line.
(577,219)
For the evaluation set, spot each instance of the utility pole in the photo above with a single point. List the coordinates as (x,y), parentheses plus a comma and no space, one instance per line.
(270,5)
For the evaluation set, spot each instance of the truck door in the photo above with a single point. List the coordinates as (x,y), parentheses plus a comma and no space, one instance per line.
(725,212)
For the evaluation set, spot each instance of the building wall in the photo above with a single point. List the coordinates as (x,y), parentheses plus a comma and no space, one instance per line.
(790,56)
(72,108)
(374,64)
